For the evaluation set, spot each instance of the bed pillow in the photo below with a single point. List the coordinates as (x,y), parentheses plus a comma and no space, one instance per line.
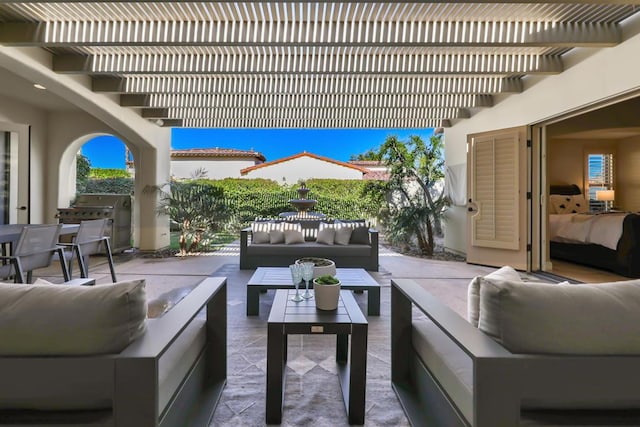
(542,318)
(58,320)
(569,204)
(473,291)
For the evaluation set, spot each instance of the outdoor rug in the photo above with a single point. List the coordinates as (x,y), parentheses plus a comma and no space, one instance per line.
(312,391)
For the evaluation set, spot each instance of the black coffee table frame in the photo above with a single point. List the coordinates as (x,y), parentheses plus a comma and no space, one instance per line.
(353,279)
(288,317)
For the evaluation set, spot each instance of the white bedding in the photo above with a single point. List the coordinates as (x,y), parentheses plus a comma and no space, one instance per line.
(605,229)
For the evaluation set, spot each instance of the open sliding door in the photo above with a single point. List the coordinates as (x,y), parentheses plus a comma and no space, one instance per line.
(498,209)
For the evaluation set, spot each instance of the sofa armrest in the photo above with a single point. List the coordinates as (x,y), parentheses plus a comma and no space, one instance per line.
(136,368)
(495,379)
(475,343)
(161,332)
(507,384)
(374,239)
(244,243)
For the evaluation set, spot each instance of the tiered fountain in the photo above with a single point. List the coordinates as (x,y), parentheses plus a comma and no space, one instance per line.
(303,205)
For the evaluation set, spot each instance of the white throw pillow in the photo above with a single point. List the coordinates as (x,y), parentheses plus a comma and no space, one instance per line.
(343,235)
(260,237)
(326,236)
(276,236)
(55,320)
(292,237)
(473,291)
(543,318)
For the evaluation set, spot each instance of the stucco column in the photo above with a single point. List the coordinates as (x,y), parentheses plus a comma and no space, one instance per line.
(152,166)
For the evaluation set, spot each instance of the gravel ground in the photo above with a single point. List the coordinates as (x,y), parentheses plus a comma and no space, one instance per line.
(439,253)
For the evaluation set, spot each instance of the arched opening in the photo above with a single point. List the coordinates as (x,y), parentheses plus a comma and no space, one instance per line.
(101,180)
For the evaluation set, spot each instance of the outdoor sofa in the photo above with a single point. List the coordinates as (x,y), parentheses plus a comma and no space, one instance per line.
(273,243)
(103,363)
(542,354)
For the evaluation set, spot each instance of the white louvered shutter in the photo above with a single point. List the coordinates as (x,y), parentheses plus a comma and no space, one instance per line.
(495,192)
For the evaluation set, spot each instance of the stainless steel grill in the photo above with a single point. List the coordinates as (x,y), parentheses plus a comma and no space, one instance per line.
(115,207)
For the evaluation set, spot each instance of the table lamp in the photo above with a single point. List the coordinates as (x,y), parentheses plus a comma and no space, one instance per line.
(606,196)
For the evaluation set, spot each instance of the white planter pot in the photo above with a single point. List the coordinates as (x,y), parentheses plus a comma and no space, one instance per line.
(326,296)
(325,270)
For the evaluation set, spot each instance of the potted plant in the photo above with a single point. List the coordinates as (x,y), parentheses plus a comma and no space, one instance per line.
(327,291)
(323,266)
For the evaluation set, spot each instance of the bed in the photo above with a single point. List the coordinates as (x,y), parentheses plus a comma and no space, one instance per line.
(610,241)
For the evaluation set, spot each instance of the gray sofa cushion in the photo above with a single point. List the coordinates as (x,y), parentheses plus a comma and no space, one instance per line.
(541,318)
(309,249)
(360,236)
(451,366)
(55,320)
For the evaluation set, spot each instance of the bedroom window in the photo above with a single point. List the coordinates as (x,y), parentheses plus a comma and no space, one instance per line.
(601,174)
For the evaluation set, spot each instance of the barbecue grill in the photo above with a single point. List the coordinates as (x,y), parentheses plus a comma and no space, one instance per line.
(115,207)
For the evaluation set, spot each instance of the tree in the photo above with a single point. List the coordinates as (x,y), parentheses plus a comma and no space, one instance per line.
(83,169)
(416,177)
(370,154)
(196,208)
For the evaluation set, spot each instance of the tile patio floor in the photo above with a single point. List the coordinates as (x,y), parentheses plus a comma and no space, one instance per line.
(446,279)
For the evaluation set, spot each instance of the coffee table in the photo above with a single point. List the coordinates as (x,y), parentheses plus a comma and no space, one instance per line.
(354,279)
(288,317)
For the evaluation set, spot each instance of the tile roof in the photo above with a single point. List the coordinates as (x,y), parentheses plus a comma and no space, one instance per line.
(366,163)
(377,175)
(217,152)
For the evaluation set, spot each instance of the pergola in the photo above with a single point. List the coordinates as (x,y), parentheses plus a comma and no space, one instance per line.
(356,64)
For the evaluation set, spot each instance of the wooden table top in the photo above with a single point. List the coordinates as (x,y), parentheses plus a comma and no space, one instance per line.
(283,310)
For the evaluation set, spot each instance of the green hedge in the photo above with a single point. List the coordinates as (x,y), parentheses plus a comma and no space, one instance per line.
(104,173)
(107,185)
(247,199)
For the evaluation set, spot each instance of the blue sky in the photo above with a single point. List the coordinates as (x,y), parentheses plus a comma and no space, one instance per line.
(339,144)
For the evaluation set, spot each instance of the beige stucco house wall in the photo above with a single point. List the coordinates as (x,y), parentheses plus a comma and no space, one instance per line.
(591,76)
(217,163)
(303,166)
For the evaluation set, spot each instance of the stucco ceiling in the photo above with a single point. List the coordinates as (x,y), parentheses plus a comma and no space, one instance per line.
(15,87)
(357,64)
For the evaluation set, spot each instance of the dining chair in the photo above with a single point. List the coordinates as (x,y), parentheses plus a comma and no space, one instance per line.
(89,240)
(35,249)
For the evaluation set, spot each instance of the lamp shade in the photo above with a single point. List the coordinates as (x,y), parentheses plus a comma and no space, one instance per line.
(606,195)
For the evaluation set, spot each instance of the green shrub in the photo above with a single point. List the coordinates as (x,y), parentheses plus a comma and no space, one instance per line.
(107,185)
(104,173)
(326,280)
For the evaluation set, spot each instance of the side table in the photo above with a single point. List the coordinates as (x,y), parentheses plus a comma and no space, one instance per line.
(288,317)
